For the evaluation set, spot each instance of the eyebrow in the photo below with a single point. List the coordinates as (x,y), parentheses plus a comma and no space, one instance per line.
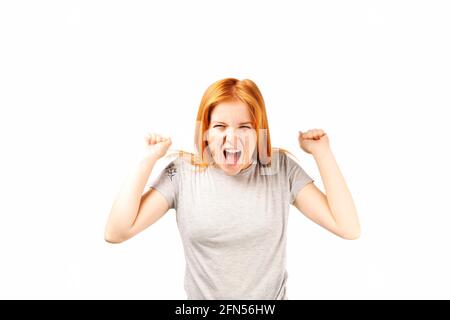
(225,123)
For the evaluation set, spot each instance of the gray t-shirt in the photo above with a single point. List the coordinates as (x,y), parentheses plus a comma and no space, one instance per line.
(233,228)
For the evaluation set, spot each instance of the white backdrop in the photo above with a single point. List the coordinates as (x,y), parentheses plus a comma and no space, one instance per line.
(81,82)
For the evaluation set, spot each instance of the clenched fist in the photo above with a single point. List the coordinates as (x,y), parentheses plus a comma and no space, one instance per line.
(313,140)
(156,146)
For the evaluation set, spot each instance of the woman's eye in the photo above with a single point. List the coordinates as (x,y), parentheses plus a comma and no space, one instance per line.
(222,126)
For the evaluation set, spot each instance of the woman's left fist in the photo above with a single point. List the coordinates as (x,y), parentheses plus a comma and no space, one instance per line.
(313,140)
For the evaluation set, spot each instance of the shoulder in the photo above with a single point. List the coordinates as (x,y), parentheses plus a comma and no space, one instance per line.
(170,166)
(278,163)
(282,157)
(180,162)
(285,161)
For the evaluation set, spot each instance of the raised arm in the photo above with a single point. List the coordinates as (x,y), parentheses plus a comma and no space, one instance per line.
(335,210)
(133,211)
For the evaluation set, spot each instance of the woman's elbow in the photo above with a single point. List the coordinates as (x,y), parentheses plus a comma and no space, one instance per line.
(112,237)
(351,235)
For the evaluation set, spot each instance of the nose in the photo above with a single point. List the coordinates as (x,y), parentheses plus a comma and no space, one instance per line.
(231,137)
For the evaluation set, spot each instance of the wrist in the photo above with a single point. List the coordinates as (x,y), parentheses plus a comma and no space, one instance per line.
(148,158)
(321,152)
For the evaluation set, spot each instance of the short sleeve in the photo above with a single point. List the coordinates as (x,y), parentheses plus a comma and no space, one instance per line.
(167,183)
(297,177)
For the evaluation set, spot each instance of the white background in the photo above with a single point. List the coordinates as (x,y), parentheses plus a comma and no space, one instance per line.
(81,82)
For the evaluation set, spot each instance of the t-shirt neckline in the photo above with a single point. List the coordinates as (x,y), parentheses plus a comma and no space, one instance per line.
(249,169)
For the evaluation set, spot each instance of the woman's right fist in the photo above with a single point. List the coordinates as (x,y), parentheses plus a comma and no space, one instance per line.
(156,145)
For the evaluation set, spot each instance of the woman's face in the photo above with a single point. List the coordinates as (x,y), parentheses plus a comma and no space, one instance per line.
(231,136)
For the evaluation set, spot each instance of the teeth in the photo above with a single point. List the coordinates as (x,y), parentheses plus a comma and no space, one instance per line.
(232,150)
(231,153)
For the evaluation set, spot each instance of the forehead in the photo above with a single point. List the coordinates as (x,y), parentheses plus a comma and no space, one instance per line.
(231,111)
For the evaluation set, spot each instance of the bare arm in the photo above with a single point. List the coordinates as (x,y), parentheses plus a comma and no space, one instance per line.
(334,211)
(133,211)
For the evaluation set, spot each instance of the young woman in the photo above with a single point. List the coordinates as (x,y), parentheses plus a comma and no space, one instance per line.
(232,197)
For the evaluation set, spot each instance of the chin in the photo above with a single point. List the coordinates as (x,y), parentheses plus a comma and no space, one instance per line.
(234,169)
(231,170)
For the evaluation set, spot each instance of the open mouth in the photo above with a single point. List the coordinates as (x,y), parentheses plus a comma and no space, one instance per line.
(232,155)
